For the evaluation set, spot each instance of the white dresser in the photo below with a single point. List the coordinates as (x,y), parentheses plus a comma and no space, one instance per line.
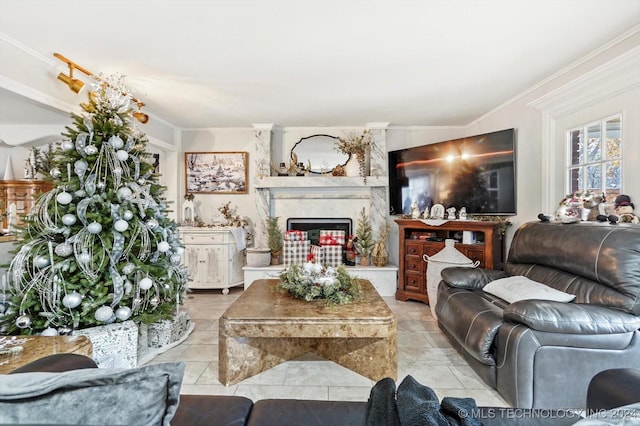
(212,256)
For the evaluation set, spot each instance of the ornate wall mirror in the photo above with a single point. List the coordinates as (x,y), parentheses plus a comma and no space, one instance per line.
(320,151)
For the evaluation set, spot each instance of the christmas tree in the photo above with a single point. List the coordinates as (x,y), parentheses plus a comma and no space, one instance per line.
(99,247)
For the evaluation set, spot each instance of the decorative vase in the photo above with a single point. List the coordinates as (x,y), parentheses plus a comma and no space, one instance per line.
(8,171)
(352,168)
(258,257)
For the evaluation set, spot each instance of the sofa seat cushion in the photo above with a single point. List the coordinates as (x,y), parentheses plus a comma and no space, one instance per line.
(212,410)
(470,319)
(571,318)
(140,396)
(295,412)
(516,288)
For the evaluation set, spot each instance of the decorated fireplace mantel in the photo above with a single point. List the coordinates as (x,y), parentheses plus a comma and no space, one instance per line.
(322,196)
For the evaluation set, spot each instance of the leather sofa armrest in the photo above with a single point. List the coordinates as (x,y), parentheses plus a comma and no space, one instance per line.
(613,388)
(57,363)
(470,278)
(570,318)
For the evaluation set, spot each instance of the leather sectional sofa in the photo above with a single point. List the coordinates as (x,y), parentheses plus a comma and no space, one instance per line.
(543,353)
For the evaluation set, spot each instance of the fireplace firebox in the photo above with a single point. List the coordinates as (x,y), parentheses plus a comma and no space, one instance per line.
(313,226)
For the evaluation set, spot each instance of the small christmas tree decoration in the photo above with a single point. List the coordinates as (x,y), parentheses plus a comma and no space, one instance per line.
(364,238)
(99,247)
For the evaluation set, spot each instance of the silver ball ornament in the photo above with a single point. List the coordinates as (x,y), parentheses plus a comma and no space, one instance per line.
(152,224)
(103,313)
(123,313)
(121,225)
(49,332)
(80,165)
(124,193)
(94,228)
(69,219)
(175,259)
(127,215)
(23,321)
(63,250)
(145,283)
(64,198)
(116,142)
(90,150)
(163,246)
(154,301)
(68,146)
(72,300)
(84,257)
(101,185)
(117,171)
(122,155)
(142,181)
(41,261)
(55,173)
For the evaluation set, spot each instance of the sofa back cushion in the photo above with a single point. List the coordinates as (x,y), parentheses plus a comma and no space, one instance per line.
(599,263)
(93,396)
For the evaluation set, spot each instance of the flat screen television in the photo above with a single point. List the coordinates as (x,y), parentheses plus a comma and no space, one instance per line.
(476,172)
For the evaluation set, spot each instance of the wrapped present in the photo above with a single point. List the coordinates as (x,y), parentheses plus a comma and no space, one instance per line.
(332,255)
(295,235)
(317,254)
(295,251)
(165,332)
(327,255)
(332,238)
(114,345)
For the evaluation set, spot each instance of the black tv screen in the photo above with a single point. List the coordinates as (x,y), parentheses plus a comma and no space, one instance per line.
(476,172)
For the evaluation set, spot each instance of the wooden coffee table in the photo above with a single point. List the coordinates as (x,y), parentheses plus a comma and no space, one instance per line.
(266,327)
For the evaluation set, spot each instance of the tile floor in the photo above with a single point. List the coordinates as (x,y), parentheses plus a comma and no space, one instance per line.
(423,352)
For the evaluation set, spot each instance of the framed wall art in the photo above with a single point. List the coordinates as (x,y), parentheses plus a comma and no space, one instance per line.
(216,172)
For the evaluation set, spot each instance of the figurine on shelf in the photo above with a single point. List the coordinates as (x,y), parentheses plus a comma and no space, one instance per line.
(451,213)
(415,210)
(463,213)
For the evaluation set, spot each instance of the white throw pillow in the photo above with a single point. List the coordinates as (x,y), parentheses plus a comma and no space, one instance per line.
(518,287)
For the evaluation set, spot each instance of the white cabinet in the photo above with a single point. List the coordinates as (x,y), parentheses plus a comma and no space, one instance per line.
(212,256)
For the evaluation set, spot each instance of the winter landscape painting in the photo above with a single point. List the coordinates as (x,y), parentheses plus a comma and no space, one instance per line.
(216,172)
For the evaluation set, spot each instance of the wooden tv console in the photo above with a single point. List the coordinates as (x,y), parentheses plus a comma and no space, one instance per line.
(418,238)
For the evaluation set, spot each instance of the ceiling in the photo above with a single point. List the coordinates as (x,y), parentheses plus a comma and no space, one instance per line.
(199,64)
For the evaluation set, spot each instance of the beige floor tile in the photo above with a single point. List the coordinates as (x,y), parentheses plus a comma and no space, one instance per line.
(349,393)
(257,392)
(423,352)
(323,373)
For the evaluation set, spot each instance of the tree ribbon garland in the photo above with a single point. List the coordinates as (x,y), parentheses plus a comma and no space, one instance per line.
(83,205)
(114,256)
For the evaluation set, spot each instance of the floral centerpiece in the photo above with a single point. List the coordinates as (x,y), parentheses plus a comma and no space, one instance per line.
(358,145)
(312,281)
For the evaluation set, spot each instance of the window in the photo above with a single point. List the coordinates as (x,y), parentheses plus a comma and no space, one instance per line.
(595,157)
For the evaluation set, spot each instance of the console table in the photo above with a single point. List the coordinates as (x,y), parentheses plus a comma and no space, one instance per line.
(418,238)
(212,256)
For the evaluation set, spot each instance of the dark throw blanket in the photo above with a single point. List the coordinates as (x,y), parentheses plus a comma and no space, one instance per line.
(417,405)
